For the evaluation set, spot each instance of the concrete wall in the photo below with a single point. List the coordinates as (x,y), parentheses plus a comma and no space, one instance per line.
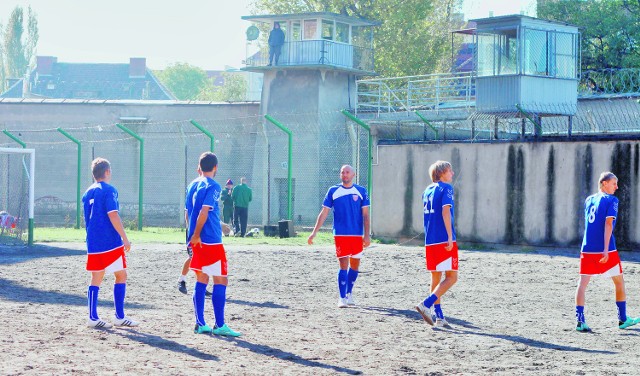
(519,193)
(172,147)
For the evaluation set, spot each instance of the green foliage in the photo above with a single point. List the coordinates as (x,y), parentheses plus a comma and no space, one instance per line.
(17,48)
(413,38)
(185,81)
(234,88)
(610,29)
(188,82)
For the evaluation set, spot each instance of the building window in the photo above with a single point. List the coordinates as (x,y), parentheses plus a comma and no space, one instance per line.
(327,30)
(310,29)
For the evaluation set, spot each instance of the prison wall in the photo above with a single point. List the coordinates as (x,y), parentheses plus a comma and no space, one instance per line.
(513,193)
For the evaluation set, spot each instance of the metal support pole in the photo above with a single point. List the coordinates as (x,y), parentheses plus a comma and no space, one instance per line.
(141,178)
(206,132)
(79,168)
(289,165)
(14,138)
(427,122)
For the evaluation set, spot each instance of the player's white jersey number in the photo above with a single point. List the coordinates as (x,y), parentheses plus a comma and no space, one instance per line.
(592,214)
(428,205)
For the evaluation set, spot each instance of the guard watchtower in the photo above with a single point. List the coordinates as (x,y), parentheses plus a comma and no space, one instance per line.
(526,61)
(322,55)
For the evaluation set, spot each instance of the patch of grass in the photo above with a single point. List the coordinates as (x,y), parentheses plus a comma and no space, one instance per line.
(174,235)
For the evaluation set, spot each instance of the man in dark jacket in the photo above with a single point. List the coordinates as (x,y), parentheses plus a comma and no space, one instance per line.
(241,196)
(276,40)
(227,202)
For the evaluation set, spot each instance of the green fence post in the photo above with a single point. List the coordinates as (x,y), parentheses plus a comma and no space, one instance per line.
(77,142)
(14,138)
(141,179)
(289,163)
(537,126)
(428,123)
(370,164)
(205,131)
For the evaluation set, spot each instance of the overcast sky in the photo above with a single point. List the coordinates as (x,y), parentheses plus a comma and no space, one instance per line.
(204,33)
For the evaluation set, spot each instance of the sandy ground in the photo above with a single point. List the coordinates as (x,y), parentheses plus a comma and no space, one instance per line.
(512,312)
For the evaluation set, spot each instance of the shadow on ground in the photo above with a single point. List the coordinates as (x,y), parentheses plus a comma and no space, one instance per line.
(13,291)
(14,255)
(163,344)
(297,359)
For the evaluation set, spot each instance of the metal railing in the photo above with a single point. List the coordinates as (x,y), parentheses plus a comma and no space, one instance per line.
(458,90)
(428,92)
(318,52)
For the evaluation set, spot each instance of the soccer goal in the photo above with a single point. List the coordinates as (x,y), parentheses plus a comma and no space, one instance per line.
(17,173)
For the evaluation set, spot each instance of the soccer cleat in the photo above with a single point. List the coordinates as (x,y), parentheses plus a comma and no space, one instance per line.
(630,322)
(583,328)
(442,323)
(202,329)
(182,287)
(425,313)
(99,324)
(349,300)
(125,321)
(224,330)
(207,293)
(342,303)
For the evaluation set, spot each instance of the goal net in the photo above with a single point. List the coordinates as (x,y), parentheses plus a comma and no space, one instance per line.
(17,167)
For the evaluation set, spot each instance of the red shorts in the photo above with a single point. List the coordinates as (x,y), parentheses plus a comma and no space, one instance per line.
(348,246)
(97,262)
(210,259)
(590,264)
(441,260)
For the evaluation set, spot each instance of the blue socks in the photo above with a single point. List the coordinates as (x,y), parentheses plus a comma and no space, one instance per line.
(119,292)
(438,310)
(218,298)
(352,275)
(428,302)
(622,311)
(198,302)
(92,299)
(580,314)
(342,283)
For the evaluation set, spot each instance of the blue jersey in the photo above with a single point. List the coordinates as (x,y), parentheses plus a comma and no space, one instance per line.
(207,193)
(99,200)
(347,204)
(597,208)
(435,197)
(191,190)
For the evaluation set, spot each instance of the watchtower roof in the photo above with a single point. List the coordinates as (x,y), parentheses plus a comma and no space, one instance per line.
(354,21)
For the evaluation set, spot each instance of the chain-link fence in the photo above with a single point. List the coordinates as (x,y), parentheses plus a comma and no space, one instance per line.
(249,147)
(616,117)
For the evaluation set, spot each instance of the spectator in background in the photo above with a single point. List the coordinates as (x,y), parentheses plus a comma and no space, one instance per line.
(241,196)
(276,41)
(227,202)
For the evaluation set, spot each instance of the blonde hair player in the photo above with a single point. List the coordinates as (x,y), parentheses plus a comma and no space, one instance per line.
(440,245)
(599,255)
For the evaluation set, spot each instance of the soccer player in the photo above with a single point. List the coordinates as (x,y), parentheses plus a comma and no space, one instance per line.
(440,240)
(351,224)
(107,243)
(188,206)
(209,258)
(599,255)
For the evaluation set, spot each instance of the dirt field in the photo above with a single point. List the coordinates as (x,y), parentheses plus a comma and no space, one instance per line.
(512,313)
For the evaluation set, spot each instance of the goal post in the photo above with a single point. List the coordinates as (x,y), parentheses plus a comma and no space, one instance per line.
(17,192)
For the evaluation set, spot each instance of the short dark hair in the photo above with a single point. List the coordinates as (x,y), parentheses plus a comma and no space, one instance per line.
(208,161)
(99,167)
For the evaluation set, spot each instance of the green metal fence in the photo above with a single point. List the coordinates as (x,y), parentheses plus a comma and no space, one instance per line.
(152,162)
